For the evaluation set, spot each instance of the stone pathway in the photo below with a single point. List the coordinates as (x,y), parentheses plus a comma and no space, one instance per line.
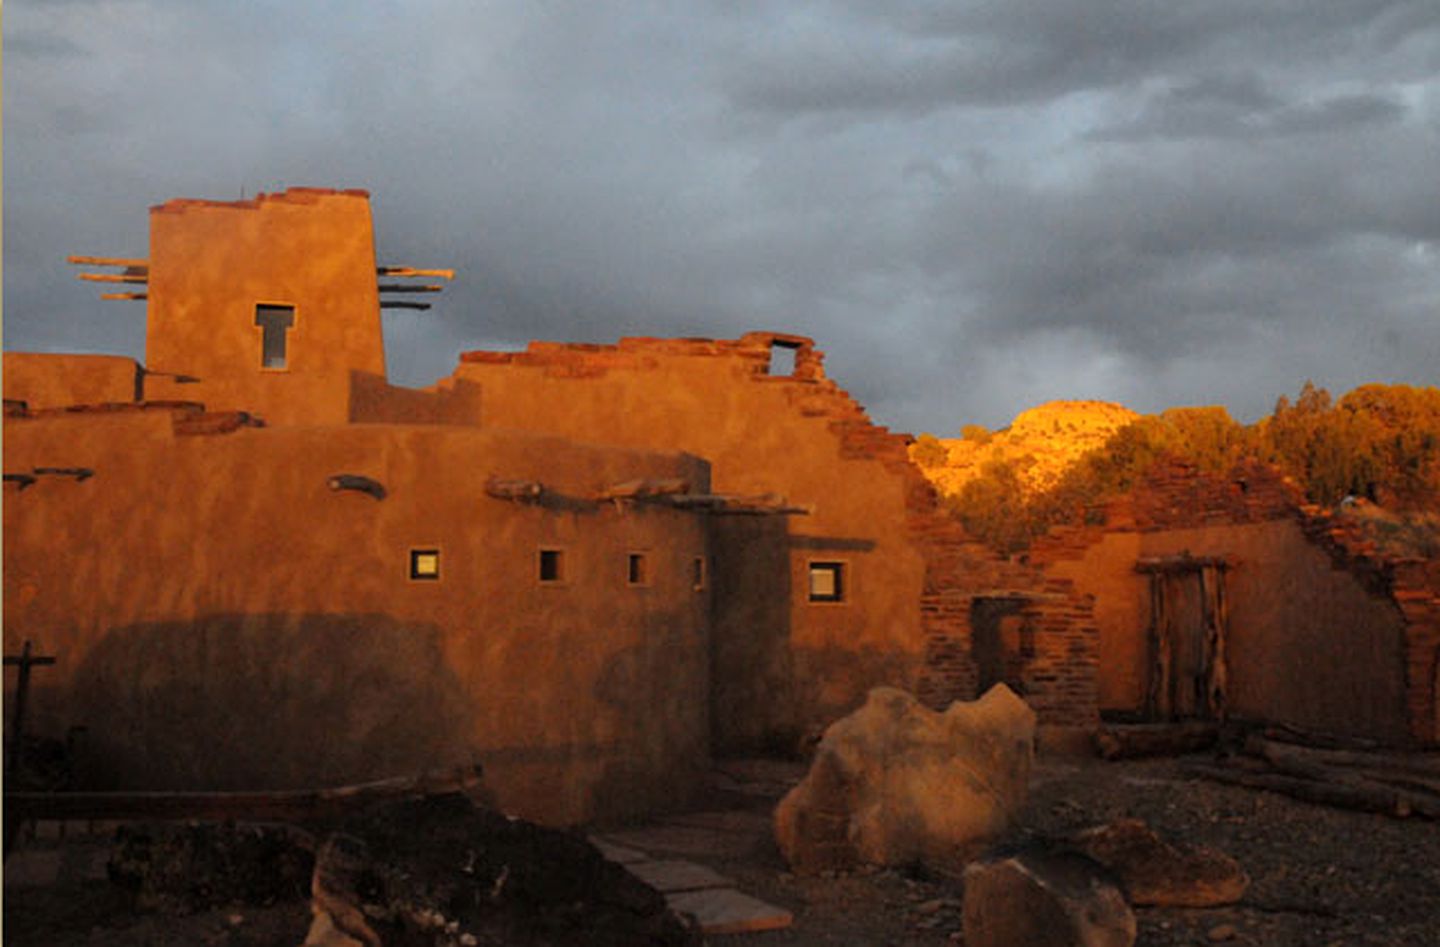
(689,887)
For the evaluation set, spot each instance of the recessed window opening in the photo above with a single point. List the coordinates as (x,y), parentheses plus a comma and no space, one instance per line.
(425,565)
(274,323)
(638,569)
(827,582)
(782,359)
(697,573)
(552,565)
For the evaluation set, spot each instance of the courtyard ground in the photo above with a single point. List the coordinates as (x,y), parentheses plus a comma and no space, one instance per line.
(1319,876)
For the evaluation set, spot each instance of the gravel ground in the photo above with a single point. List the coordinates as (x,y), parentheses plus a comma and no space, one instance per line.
(1319,876)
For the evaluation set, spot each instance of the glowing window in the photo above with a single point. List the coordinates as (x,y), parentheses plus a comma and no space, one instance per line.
(827,581)
(425,564)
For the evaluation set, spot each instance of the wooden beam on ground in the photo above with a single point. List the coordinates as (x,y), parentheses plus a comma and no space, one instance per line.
(1121,742)
(1362,795)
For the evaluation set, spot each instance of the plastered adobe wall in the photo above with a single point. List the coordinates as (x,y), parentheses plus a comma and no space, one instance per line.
(223,619)
(43,380)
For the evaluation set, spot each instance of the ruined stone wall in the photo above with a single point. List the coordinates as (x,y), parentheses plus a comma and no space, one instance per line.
(786,666)
(211,263)
(1323,634)
(43,380)
(222,618)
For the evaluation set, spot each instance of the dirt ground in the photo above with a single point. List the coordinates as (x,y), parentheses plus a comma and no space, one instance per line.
(1319,876)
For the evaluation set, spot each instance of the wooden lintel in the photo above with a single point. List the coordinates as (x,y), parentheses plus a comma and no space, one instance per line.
(413,271)
(726,503)
(642,489)
(410,288)
(113,277)
(523,490)
(1184,563)
(108,261)
(125,296)
(402,304)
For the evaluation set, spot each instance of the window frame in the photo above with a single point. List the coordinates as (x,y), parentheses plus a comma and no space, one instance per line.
(840,569)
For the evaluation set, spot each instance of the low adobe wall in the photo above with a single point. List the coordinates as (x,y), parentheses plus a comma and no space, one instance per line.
(224,619)
(42,380)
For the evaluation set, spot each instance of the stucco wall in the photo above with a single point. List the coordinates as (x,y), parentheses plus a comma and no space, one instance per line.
(785,666)
(42,380)
(224,619)
(212,262)
(1308,644)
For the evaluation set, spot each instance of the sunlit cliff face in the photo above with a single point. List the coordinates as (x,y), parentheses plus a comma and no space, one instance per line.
(1042,443)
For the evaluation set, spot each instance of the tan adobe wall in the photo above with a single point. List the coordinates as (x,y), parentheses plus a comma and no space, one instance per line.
(42,380)
(786,666)
(224,619)
(212,262)
(1323,634)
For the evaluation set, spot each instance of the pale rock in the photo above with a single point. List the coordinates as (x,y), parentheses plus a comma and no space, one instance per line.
(895,782)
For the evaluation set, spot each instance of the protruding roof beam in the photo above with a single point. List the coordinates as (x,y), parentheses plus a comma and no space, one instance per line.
(125,296)
(413,271)
(410,288)
(399,304)
(108,261)
(113,277)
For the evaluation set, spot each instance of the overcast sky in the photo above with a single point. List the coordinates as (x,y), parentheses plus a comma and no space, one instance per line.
(974,207)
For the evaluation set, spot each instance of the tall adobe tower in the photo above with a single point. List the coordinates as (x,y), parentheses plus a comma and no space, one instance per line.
(266,305)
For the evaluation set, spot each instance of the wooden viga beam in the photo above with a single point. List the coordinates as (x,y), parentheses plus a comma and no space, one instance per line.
(109,261)
(410,288)
(402,304)
(413,271)
(114,277)
(642,489)
(141,296)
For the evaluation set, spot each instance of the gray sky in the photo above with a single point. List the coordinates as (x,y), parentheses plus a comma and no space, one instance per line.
(974,207)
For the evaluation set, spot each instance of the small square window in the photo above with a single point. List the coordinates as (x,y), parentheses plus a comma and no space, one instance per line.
(425,564)
(697,574)
(827,581)
(552,565)
(638,569)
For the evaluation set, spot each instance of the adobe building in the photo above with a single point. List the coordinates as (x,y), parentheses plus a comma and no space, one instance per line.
(1229,597)
(588,568)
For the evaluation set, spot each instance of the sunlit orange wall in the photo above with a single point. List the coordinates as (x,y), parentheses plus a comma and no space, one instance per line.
(784,666)
(1308,644)
(211,263)
(43,380)
(222,619)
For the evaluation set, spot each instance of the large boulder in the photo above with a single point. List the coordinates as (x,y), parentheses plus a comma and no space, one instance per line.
(1156,871)
(895,782)
(1044,898)
(442,871)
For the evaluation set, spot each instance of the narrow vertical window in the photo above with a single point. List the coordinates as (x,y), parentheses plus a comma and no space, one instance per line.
(552,565)
(827,582)
(637,569)
(697,574)
(274,322)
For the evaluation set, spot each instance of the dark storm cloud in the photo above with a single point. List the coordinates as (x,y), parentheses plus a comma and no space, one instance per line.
(972,206)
